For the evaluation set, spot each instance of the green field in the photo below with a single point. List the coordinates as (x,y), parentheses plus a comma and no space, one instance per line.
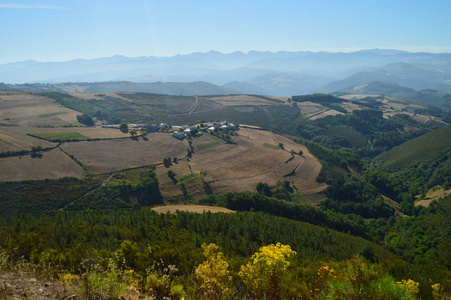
(53,114)
(271,146)
(61,136)
(206,145)
(425,148)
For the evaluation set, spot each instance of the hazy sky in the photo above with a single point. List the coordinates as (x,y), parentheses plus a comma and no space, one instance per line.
(56,30)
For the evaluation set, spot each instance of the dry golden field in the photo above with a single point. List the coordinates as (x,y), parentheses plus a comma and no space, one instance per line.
(240,167)
(28,109)
(237,100)
(52,164)
(15,138)
(112,155)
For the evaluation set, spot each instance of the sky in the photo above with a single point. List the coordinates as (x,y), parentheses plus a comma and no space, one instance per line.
(61,30)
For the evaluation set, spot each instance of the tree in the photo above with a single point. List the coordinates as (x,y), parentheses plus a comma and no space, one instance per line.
(301,153)
(144,133)
(167,162)
(171,174)
(123,127)
(35,149)
(281,146)
(133,132)
(263,189)
(85,119)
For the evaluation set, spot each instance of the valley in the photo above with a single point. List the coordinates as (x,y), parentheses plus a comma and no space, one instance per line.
(337,177)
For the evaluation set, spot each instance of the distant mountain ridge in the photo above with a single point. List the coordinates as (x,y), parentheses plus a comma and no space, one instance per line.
(277,73)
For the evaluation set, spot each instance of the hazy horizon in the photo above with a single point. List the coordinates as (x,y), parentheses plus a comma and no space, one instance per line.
(55,31)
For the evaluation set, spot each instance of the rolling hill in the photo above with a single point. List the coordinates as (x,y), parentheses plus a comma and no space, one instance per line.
(426,148)
(400,73)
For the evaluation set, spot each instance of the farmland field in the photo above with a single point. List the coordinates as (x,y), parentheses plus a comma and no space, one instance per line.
(28,109)
(15,138)
(240,167)
(237,100)
(170,189)
(52,164)
(109,156)
(61,136)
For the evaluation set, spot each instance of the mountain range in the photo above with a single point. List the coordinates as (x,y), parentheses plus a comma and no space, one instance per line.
(269,73)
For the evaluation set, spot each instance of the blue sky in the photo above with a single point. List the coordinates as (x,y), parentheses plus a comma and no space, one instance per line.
(58,30)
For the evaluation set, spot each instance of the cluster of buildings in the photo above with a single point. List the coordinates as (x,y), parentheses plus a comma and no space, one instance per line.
(224,125)
(179,132)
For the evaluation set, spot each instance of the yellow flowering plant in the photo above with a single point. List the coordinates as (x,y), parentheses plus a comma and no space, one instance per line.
(213,274)
(264,272)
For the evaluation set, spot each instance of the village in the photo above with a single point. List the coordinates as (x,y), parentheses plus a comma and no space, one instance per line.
(179,132)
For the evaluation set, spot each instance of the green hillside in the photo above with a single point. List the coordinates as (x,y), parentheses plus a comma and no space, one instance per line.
(426,148)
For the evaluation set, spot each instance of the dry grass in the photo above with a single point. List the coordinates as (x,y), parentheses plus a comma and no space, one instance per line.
(169,189)
(52,164)
(15,137)
(239,100)
(356,96)
(109,156)
(27,109)
(191,208)
(240,167)
(433,194)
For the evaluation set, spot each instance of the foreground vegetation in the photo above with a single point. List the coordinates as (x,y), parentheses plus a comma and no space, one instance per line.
(159,254)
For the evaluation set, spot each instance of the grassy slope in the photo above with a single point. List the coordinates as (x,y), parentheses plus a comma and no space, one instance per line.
(425,148)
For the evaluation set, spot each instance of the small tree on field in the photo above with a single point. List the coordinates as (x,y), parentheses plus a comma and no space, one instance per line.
(167,162)
(281,146)
(35,149)
(123,127)
(133,132)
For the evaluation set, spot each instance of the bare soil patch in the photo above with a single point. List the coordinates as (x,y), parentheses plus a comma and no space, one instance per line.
(52,164)
(113,155)
(191,208)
